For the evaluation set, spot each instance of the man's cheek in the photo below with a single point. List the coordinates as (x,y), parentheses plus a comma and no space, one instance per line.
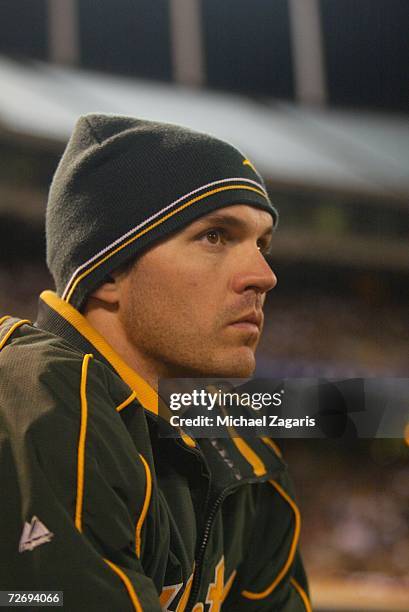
(194,283)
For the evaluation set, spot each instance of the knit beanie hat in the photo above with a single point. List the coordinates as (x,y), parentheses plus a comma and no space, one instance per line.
(123,184)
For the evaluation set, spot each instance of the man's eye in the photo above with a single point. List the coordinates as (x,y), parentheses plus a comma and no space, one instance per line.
(214,236)
(264,246)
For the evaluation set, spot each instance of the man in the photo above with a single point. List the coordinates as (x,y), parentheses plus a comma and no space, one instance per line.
(156,238)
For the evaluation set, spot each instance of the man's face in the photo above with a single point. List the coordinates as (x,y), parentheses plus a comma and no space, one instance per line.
(192,304)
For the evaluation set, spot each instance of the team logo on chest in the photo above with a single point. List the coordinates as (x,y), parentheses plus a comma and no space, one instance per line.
(216,593)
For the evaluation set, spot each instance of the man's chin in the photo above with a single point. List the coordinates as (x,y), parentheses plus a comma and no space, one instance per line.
(240,364)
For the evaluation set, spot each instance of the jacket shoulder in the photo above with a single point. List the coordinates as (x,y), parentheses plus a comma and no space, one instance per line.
(42,373)
(25,345)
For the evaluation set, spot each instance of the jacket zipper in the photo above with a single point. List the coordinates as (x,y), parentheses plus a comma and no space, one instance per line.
(200,555)
(206,533)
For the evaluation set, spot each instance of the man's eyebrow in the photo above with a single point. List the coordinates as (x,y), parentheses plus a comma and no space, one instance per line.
(228,220)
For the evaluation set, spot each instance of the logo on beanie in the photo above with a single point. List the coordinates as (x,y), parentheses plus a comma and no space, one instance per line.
(247,162)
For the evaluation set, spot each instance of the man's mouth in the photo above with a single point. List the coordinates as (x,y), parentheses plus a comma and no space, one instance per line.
(251,322)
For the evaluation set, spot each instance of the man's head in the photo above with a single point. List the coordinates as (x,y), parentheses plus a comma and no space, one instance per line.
(128,188)
(192,304)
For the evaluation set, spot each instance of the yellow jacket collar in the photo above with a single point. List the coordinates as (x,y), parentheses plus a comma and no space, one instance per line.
(143,391)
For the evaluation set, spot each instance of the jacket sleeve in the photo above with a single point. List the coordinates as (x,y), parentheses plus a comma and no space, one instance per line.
(76,492)
(272,577)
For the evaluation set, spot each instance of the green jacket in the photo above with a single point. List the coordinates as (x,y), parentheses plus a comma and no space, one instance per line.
(123,519)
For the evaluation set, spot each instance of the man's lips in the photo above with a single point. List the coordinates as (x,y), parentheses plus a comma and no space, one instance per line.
(250,322)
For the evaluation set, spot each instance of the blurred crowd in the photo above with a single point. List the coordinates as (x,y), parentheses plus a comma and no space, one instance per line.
(321,335)
(354,501)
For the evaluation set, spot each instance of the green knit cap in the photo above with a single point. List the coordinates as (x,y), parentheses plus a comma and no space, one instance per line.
(124,183)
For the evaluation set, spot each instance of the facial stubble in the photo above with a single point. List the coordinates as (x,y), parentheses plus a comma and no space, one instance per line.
(175,343)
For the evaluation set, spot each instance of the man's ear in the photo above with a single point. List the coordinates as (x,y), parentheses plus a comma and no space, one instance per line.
(109,291)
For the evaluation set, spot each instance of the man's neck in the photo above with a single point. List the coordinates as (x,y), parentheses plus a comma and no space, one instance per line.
(109,326)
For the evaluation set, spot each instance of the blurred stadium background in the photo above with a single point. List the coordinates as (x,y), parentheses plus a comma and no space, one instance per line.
(316,92)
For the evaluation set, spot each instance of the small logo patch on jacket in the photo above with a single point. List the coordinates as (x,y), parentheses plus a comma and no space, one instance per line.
(34,534)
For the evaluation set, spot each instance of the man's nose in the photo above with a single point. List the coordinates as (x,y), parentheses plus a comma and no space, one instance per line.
(255,274)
